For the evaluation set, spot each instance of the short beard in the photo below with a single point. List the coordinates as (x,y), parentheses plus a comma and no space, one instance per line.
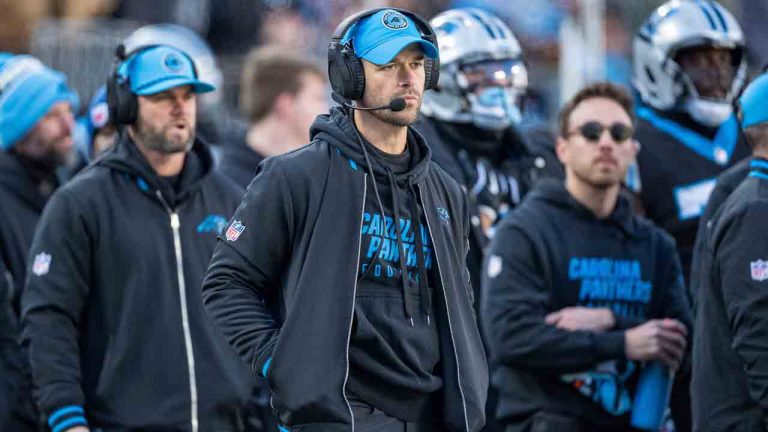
(394,119)
(156,140)
(49,158)
(599,185)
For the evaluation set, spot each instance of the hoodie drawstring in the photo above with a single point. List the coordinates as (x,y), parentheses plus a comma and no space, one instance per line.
(424,291)
(407,300)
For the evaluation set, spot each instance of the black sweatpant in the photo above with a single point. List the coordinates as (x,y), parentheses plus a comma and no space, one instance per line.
(371,419)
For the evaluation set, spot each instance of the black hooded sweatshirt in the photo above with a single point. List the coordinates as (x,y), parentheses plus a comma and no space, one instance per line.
(395,341)
(25,187)
(283,283)
(112,311)
(552,252)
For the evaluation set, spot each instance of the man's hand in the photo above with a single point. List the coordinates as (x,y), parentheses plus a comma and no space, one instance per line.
(582,318)
(657,340)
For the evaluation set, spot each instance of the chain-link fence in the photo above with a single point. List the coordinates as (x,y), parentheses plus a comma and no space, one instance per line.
(83,49)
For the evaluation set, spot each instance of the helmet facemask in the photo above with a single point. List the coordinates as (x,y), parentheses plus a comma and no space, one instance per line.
(482,75)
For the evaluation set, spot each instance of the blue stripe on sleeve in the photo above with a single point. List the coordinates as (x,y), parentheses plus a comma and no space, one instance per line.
(66,424)
(61,412)
(758,175)
(758,164)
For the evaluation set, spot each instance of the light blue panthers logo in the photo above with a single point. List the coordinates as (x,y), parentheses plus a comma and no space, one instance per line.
(173,63)
(394,20)
(443,213)
(212,223)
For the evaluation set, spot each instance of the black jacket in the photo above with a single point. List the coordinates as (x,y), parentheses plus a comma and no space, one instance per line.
(239,162)
(550,253)
(727,182)
(112,311)
(730,363)
(282,284)
(24,192)
(23,201)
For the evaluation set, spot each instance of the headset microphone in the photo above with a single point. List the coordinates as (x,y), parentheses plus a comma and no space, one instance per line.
(397,104)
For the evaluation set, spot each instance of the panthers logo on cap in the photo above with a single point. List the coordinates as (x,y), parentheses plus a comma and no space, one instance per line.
(394,20)
(173,63)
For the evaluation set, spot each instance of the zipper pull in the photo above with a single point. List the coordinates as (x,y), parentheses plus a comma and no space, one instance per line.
(175,223)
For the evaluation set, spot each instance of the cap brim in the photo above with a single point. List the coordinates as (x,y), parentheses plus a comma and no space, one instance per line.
(161,86)
(384,53)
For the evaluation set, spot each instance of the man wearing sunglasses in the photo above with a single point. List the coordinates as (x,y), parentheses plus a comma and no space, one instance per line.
(472,121)
(577,289)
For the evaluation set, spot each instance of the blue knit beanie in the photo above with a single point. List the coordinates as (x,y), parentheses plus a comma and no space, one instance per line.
(28,90)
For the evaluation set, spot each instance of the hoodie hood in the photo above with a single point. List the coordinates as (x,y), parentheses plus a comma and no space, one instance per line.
(553,193)
(337,128)
(127,158)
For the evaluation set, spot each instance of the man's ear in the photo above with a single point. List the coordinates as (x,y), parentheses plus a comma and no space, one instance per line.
(283,105)
(561,149)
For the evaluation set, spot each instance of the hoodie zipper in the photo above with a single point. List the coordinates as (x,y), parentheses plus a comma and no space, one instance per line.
(447,311)
(354,297)
(175,227)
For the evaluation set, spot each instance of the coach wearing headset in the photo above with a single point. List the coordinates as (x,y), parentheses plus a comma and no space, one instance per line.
(112,314)
(342,276)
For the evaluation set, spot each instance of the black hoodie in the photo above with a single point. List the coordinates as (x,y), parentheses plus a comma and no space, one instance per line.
(112,311)
(282,285)
(24,190)
(549,253)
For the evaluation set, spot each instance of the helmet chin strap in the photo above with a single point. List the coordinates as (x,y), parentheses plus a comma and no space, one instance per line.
(708,113)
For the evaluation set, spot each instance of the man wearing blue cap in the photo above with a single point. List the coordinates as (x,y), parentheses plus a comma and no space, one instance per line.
(35,138)
(342,277)
(112,314)
(730,350)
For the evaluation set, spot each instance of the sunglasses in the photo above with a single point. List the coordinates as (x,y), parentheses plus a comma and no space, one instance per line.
(593,130)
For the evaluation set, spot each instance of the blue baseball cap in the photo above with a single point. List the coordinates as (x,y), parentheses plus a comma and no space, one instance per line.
(157,69)
(754,102)
(380,37)
(28,90)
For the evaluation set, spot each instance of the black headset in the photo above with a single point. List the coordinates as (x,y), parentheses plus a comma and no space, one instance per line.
(122,103)
(345,70)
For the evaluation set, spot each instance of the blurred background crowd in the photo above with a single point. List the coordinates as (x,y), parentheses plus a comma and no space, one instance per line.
(592,37)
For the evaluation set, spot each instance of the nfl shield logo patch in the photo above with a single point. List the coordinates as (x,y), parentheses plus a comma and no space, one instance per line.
(234,230)
(42,264)
(759,270)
